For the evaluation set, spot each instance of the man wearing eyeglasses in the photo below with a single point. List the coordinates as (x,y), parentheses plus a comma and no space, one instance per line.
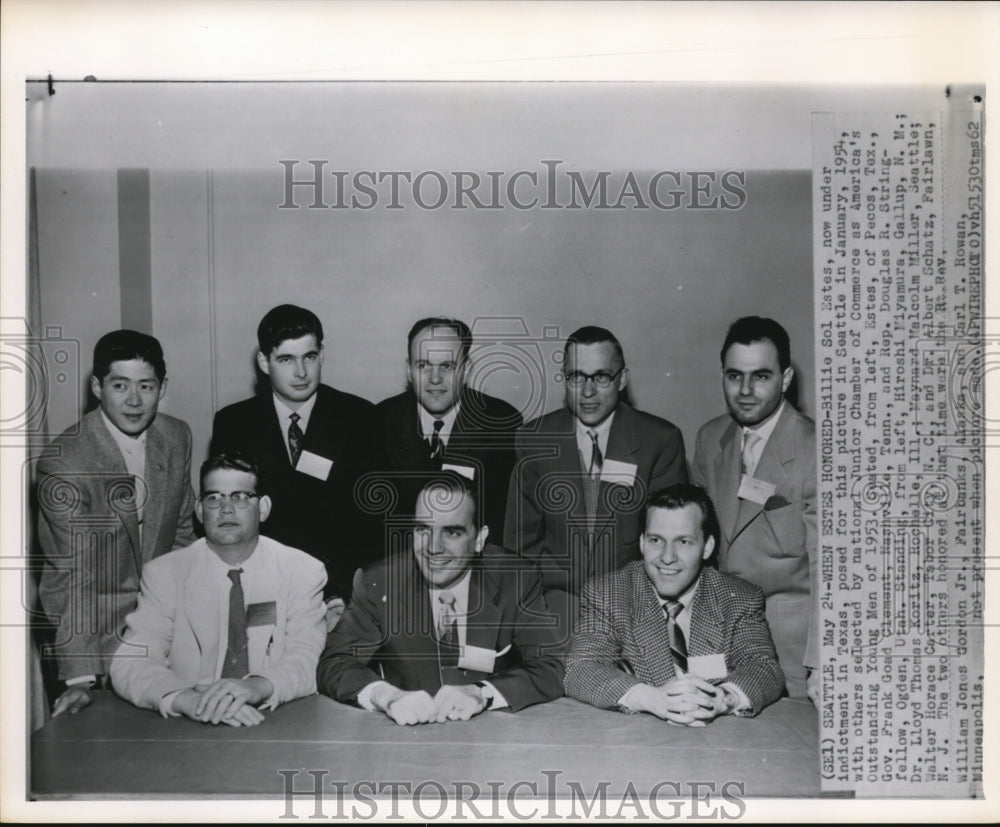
(584,472)
(230,623)
(758,463)
(441,423)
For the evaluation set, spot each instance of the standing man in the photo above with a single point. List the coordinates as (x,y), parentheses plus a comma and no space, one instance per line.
(670,635)
(446,631)
(584,472)
(758,463)
(114,491)
(440,423)
(313,443)
(231,622)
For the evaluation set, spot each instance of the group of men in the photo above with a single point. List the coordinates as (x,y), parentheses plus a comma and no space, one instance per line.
(610,576)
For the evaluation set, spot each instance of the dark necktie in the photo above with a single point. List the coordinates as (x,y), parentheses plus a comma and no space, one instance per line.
(678,646)
(437,445)
(295,437)
(596,457)
(447,619)
(237,664)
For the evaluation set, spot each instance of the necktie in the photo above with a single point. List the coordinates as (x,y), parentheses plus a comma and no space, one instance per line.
(596,457)
(747,465)
(295,437)
(678,646)
(447,619)
(437,445)
(237,664)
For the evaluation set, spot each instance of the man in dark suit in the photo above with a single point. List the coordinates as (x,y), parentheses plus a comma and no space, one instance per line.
(439,422)
(758,463)
(114,491)
(448,630)
(313,444)
(584,472)
(670,636)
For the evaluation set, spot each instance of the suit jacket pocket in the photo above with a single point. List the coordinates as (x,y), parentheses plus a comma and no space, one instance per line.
(789,530)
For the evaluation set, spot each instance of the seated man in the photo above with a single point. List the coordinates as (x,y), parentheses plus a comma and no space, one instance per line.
(452,629)
(669,635)
(230,622)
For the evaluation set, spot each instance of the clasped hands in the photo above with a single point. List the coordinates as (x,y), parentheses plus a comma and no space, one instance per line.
(450,703)
(228,701)
(687,700)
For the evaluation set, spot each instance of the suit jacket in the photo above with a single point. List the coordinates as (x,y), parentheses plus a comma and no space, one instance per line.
(620,638)
(773,545)
(482,439)
(387,633)
(546,511)
(88,532)
(321,517)
(178,636)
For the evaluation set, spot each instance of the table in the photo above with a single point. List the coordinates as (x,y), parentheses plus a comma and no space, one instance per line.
(112,749)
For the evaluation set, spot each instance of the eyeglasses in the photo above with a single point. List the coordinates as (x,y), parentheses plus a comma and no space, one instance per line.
(240,499)
(602,379)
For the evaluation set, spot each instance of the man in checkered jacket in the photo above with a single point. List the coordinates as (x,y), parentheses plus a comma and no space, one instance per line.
(669,635)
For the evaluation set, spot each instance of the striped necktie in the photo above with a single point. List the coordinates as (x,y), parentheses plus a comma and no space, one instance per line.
(678,646)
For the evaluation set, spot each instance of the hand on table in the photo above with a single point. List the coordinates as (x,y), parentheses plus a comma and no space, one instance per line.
(416,707)
(814,686)
(459,703)
(72,700)
(228,701)
(687,700)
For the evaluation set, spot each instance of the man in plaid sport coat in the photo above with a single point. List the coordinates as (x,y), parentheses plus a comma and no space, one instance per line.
(625,653)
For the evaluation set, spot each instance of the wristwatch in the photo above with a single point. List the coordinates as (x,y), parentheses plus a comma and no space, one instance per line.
(487,691)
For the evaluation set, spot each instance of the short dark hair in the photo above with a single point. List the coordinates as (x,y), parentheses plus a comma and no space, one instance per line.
(124,345)
(454,485)
(679,496)
(461,330)
(593,335)
(752,329)
(233,461)
(284,322)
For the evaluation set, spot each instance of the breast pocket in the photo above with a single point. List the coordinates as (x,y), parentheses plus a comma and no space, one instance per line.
(789,530)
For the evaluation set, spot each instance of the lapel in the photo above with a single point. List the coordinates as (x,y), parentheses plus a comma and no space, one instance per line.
(207,610)
(272,444)
(727,472)
(411,621)
(565,460)
(108,459)
(649,629)
(779,451)
(705,637)
(322,435)
(484,614)
(622,447)
(156,485)
(406,443)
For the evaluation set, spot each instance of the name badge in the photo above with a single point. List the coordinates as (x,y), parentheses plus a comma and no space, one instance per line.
(314,465)
(478,659)
(619,473)
(709,667)
(755,490)
(465,470)
(262,614)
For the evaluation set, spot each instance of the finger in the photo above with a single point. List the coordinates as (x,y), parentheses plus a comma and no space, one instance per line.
(221,708)
(60,707)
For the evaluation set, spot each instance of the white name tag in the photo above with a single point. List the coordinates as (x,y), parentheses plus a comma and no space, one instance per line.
(618,473)
(755,490)
(314,465)
(477,659)
(709,667)
(465,470)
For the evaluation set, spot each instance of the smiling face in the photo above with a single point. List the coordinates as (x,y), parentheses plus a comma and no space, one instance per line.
(445,537)
(436,368)
(589,403)
(229,528)
(753,382)
(674,548)
(129,395)
(294,368)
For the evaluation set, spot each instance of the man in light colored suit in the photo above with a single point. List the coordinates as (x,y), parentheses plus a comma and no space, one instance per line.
(114,491)
(231,622)
(670,636)
(584,472)
(758,463)
(446,631)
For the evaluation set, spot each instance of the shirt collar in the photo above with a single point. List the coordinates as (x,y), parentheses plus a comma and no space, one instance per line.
(765,429)
(252,562)
(603,432)
(304,410)
(427,420)
(459,589)
(686,598)
(132,448)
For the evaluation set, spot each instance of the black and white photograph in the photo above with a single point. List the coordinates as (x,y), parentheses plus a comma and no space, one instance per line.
(449,411)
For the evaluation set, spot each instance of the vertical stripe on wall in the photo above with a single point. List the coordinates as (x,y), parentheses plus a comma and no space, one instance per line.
(134,265)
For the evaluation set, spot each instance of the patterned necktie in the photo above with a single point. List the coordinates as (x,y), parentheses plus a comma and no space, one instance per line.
(437,445)
(678,646)
(295,437)
(237,664)
(747,465)
(447,619)
(596,457)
